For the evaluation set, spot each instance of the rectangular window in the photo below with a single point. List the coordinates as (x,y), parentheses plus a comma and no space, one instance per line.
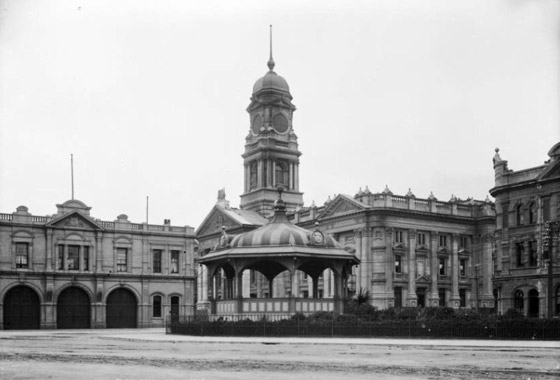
(442,266)
(122,263)
(73,258)
(398,264)
(463,298)
(60,260)
(85,258)
(22,255)
(441,295)
(463,267)
(463,242)
(421,238)
(174,261)
(519,255)
(533,253)
(442,241)
(398,236)
(157,260)
(398,296)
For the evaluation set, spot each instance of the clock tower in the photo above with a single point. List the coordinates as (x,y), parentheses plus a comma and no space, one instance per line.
(271,157)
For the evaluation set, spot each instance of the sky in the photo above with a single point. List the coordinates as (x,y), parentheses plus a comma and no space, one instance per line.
(150,98)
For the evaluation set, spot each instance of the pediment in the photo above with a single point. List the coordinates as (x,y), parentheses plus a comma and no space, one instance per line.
(424,279)
(553,171)
(74,220)
(341,205)
(215,221)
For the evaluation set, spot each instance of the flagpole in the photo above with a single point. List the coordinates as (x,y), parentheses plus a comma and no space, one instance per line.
(72,172)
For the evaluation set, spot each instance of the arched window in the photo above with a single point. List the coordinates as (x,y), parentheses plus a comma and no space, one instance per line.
(253,182)
(156,307)
(532,213)
(519,215)
(282,174)
(518,300)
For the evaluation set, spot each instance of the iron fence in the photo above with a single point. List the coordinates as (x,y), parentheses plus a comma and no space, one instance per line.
(300,326)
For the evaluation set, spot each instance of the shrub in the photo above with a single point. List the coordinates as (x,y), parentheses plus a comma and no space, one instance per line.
(513,314)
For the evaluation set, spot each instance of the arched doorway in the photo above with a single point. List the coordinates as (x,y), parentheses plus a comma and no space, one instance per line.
(73,310)
(22,309)
(121,309)
(533,303)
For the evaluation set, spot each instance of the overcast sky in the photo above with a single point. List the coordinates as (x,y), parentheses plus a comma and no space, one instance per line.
(150,98)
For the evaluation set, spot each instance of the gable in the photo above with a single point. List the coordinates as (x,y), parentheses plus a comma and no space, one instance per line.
(342,205)
(216,219)
(553,171)
(74,220)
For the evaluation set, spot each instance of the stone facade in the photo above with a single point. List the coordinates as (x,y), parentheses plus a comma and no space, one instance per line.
(70,270)
(525,200)
(413,252)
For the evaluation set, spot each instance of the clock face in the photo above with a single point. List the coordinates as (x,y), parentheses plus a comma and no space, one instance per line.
(280,123)
(317,237)
(256,125)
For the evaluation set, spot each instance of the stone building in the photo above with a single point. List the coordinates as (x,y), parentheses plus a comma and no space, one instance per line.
(413,252)
(525,200)
(70,270)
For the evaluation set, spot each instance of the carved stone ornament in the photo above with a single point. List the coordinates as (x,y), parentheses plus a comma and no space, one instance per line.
(74,221)
(389,232)
(411,234)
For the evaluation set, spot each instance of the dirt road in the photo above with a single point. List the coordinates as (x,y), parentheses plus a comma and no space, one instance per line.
(152,355)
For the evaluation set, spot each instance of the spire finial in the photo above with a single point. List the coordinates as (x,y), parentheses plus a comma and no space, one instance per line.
(270,60)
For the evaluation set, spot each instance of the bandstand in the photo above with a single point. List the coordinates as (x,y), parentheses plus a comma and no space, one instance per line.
(276,248)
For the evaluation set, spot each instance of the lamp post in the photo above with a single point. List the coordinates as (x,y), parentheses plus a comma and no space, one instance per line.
(550,236)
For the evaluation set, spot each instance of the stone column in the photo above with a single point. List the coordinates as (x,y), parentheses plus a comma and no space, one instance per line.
(49,262)
(487,297)
(259,174)
(361,280)
(433,297)
(454,299)
(412,298)
(389,267)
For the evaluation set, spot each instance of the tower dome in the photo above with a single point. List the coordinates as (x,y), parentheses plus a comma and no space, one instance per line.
(271,80)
